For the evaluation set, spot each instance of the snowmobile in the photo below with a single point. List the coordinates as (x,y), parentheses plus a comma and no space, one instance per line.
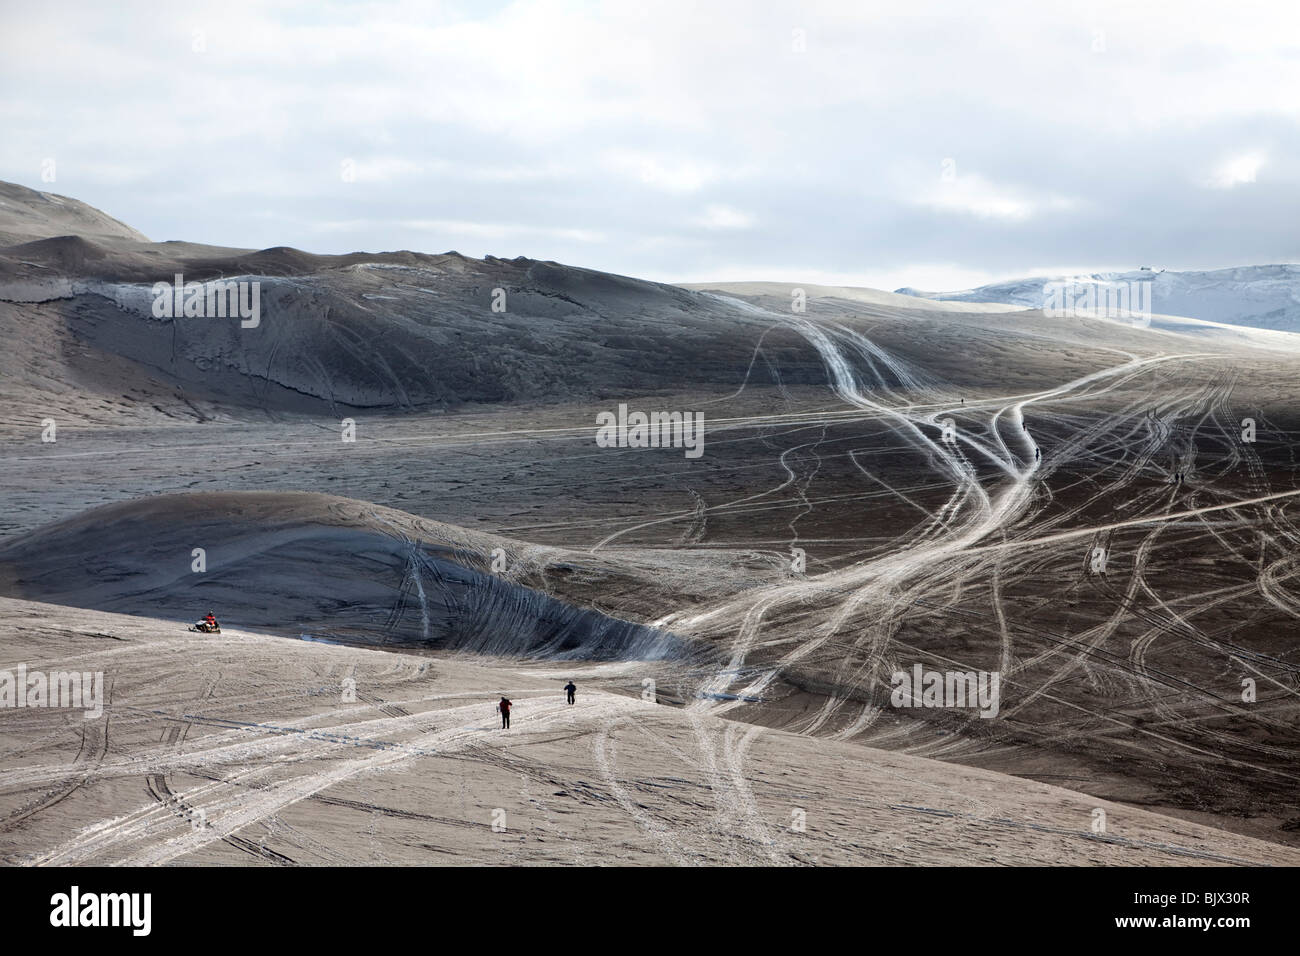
(203,627)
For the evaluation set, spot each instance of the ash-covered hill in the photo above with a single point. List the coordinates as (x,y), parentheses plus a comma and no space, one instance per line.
(100,329)
(27,214)
(337,568)
(335,334)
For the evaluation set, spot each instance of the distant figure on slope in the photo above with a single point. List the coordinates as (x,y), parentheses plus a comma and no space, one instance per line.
(504,707)
(208,624)
(1038,454)
(570,688)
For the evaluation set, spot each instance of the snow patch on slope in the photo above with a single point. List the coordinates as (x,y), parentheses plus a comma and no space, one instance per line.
(1261,297)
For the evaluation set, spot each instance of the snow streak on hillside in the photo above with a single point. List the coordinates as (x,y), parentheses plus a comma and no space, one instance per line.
(1262,297)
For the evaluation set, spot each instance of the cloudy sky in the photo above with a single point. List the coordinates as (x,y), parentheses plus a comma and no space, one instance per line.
(938,145)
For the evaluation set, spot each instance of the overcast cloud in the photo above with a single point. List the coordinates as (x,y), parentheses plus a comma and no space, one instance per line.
(938,145)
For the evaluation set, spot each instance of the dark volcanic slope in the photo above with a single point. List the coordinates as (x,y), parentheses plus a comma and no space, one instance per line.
(402,331)
(360,332)
(331,567)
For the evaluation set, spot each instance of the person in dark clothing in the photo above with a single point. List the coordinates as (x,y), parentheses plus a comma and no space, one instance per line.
(504,707)
(570,689)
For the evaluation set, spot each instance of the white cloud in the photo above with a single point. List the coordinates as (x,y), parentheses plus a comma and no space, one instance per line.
(668,173)
(674,138)
(1240,169)
(497,230)
(452,228)
(972,195)
(717,216)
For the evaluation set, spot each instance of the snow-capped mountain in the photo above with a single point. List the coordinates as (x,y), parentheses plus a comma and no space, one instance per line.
(1262,297)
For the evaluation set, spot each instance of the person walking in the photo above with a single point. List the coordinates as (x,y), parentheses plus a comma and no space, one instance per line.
(504,707)
(570,689)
